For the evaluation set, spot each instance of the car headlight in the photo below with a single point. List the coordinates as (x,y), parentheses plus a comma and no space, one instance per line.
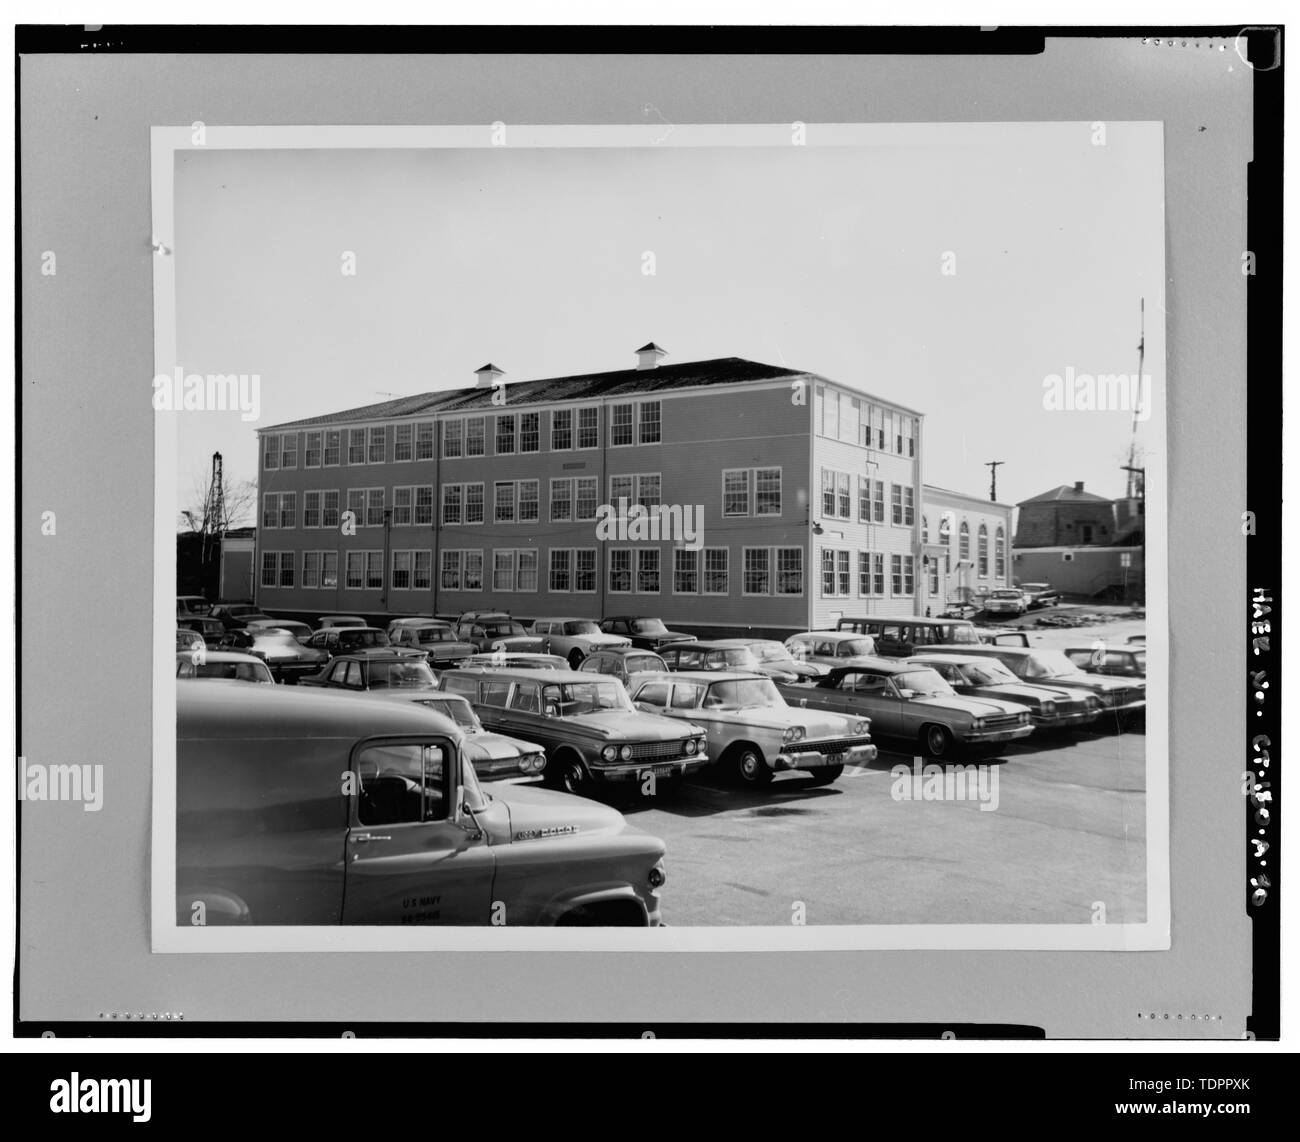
(1024,718)
(701,745)
(793,734)
(609,753)
(861,727)
(1049,709)
(690,745)
(977,724)
(1094,703)
(657,876)
(536,763)
(625,753)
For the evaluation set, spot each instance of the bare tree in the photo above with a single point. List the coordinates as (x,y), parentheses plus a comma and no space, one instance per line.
(239,505)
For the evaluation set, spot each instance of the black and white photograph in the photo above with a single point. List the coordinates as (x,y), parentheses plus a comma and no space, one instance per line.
(710,528)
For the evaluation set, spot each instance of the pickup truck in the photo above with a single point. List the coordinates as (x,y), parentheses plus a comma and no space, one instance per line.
(1040,595)
(298,807)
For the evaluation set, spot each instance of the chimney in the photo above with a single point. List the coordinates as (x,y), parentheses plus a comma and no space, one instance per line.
(1078,485)
(487,376)
(647,357)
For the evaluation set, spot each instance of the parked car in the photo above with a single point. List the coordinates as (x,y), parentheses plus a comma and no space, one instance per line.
(227,664)
(623,663)
(574,639)
(753,732)
(1119,696)
(1050,707)
(233,616)
(901,637)
(1007,601)
(511,660)
(719,654)
(913,704)
(494,755)
(644,631)
(591,732)
(829,648)
(992,637)
(778,663)
(374,670)
(435,639)
(1126,661)
(209,629)
(485,628)
(288,659)
(192,605)
(347,640)
(267,833)
(396,625)
(1040,595)
(188,640)
(300,631)
(334,622)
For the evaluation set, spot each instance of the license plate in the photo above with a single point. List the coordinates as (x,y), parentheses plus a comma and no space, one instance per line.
(664,770)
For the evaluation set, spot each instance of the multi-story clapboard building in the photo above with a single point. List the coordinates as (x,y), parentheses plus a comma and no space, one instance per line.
(965,543)
(809,497)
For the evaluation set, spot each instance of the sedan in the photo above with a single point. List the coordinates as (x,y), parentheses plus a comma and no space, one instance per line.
(829,648)
(914,704)
(233,616)
(288,659)
(300,631)
(1127,662)
(210,630)
(435,639)
(1007,602)
(374,670)
(646,632)
(1050,707)
(779,664)
(223,664)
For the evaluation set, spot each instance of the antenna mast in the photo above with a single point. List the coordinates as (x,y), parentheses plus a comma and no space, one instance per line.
(1137,404)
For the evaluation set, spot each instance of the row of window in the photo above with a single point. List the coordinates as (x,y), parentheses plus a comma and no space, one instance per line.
(630,423)
(745,491)
(837,499)
(837,567)
(963,545)
(855,421)
(763,571)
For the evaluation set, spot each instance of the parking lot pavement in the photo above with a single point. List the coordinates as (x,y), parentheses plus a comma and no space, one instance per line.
(1068,833)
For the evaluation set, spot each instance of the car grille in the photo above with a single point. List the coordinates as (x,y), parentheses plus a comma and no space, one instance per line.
(834,746)
(1123,697)
(648,751)
(999,720)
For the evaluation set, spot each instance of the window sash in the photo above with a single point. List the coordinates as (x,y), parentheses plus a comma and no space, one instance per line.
(562,430)
(505,434)
(403,443)
(589,427)
(650,424)
(647,570)
(377,445)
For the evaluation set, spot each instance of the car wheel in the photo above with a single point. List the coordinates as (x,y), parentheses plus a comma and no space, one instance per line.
(936,741)
(749,766)
(825,774)
(575,658)
(571,776)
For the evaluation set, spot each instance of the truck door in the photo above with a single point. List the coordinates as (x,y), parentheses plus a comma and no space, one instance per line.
(409,861)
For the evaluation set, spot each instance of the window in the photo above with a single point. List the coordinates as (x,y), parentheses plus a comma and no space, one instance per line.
(528,501)
(505,434)
(756,579)
(289,451)
(831,417)
(850,414)
(530,431)
(422,576)
(356,446)
(620,571)
(647,570)
(843,576)
(562,430)
(270,452)
(963,541)
(716,571)
(828,572)
(453,435)
(402,564)
(621,488)
(887,436)
(475,436)
(424,505)
(561,578)
(896,502)
(925,529)
(828,492)
(310,510)
(453,497)
(357,505)
(356,570)
(504,502)
(274,564)
(474,503)
(424,440)
(312,453)
(878,573)
(474,569)
(982,552)
(844,495)
(271,509)
(329,516)
(686,572)
(909,505)
(451,564)
(1000,554)
(374,507)
(909,434)
(735,491)
(837,575)
(401,784)
(403,499)
(527,570)
(374,570)
(561,500)
(767,491)
(649,423)
(403,448)
(620,425)
(333,447)
(378,443)
(647,489)
(584,570)
(864,573)
(288,509)
(934,576)
(586,487)
(878,502)
(864,499)
(589,427)
(901,570)
(789,570)
(311,569)
(503,571)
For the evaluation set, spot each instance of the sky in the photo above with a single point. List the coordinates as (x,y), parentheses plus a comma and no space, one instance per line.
(827,259)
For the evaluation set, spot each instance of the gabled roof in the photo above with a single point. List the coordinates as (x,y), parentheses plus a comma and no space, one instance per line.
(1064,494)
(583,386)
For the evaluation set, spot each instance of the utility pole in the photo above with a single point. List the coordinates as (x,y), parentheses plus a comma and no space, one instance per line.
(993,466)
(1137,404)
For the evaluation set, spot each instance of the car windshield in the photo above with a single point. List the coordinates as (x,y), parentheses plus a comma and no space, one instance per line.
(274,637)
(242,612)
(742,694)
(571,698)
(411,673)
(964,634)
(581,626)
(771,652)
(741,657)
(648,626)
(459,710)
(926,683)
(990,673)
(242,671)
(1033,586)
(1006,594)
(853,647)
(434,634)
(496,629)
(354,637)
(645,664)
(1048,664)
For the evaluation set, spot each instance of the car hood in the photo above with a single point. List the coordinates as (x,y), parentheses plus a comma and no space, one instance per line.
(601,639)
(976,707)
(815,723)
(487,746)
(619,725)
(1098,683)
(663,638)
(303,654)
(536,814)
(447,649)
(1024,692)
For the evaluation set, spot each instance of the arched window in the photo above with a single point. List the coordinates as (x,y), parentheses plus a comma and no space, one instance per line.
(963,541)
(1000,554)
(983,551)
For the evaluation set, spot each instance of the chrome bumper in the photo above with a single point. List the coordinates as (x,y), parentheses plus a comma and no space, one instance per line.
(813,759)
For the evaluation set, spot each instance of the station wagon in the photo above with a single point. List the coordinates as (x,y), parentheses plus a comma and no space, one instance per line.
(901,637)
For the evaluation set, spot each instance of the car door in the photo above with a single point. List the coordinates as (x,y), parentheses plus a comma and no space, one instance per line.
(493,696)
(520,715)
(409,861)
(872,697)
